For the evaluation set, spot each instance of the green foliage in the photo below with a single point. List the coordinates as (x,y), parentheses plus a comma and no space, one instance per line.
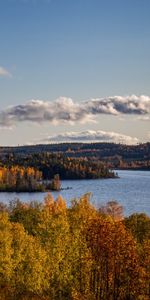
(139,225)
(28,214)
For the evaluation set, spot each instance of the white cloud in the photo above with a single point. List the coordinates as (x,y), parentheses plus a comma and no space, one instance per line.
(66,110)
(91,136)
(4,72)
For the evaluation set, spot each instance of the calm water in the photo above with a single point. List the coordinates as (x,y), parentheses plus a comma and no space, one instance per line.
(132,190)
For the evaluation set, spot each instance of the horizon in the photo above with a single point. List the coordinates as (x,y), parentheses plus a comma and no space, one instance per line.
(74,70)
(73,143)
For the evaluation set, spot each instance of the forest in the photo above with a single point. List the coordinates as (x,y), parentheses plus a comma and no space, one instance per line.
(50,164)
(53,252)
(25,179)
(112,155)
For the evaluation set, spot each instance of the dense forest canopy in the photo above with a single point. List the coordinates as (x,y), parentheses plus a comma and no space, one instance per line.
(51,252)
(50,164)
(115,155)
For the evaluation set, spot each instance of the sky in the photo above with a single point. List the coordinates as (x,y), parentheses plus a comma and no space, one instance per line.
(74,70)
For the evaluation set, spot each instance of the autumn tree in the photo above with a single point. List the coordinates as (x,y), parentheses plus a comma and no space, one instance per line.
(6,252)
(115,272)
(51,251)
(112,209)
(139,226)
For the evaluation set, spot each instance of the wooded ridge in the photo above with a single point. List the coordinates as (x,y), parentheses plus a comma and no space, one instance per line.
(114,155)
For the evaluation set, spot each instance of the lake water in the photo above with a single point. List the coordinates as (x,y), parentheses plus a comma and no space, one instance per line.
(131,190)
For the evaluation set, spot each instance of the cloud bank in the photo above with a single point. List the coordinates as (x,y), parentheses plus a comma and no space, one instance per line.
(66,110)
(91,136)
(4,72)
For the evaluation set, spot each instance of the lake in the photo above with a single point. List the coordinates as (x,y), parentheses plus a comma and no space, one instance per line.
(131,190)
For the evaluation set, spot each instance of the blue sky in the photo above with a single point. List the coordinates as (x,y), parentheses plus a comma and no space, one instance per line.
(79,49)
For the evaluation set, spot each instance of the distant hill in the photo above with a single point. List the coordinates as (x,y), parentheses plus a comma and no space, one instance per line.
(98,150)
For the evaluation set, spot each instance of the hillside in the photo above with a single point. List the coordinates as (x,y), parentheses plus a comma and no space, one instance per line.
(114,155)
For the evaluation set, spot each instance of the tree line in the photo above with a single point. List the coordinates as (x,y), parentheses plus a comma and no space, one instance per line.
(67,168)
(111,154)
(53,252)
(140,151)
(25,179)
